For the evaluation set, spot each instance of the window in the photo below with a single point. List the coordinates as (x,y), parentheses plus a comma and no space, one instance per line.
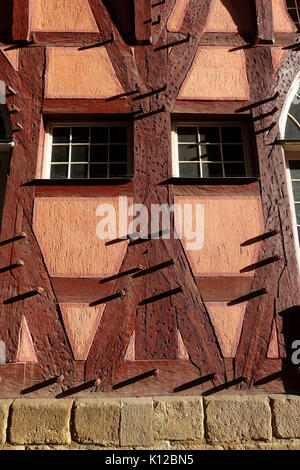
(206,150)
(292,129)
(87,151)
(293,7)
(294,169)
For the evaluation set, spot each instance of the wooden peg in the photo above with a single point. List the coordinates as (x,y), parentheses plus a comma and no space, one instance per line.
(23,235)
(40,290)
(274,232)
(19,126)
(156,373)
(60,379)
(277,258)
(15,108)
(19,262)
(140,266)
(122,293)
(97,382)
(11,90)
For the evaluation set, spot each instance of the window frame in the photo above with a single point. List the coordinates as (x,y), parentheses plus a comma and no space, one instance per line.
(295,8)
(48,141)
(292,155)
(249,164)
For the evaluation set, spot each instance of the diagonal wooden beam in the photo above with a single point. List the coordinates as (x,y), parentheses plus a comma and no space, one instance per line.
(21,20)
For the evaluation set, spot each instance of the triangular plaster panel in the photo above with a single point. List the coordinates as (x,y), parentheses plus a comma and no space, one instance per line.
(26,352)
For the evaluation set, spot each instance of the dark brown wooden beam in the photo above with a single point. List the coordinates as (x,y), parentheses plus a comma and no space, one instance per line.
(264,15)
(21,20)
(209,107)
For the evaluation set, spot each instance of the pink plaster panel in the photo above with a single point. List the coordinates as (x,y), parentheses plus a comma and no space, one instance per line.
(62,15)
(66,232)
(281,19)
(81,323)
(222,253)
(227,322)
(12,56)
(26,352)
(278,56)
(71,73)
(181,349)
(273,349)
(130,351)
(216,74)
(176,17)
(220,19)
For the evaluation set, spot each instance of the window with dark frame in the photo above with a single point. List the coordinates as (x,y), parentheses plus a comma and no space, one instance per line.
(88,151)
(211,151)
(293,7)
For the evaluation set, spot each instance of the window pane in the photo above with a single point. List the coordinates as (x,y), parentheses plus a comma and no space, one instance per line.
(118,153)
(211,170)
(297,209)
(79,171)
(98,171)
(60,153)
(99,135)
(116,170)
(231,134)
(187,134)
(292,132)
(80,135)
(290,3)
(210,153)
(296,190)
(118,134)
(189,170)
(209,134)
(295,169)
(188,153)
(59,171)
(61,135)
(99,153)
(235,169)
(233,152)
(79,153)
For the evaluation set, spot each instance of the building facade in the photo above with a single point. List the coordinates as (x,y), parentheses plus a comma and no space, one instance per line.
(115,115)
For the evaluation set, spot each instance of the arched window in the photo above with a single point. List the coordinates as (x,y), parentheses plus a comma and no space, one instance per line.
(293,7)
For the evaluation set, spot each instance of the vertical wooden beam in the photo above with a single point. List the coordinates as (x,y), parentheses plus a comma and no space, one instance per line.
(21,20)
(264,16)
(142,21)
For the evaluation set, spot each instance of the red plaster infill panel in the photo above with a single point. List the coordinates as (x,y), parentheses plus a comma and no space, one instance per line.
(216,74)
(62,15)
(26,352)
(89,73)
(281,19)
(66,232)
(81,323)
(227,322)
(222,253)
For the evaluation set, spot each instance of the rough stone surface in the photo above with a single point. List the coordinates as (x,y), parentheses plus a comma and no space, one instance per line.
(136,422)
(178,418)
(286,412)
(238,419)
(40,421)
(4,410)
(97,421)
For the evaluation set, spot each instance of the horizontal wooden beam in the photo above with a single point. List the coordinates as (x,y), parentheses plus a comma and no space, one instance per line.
(210,107)
(82,107)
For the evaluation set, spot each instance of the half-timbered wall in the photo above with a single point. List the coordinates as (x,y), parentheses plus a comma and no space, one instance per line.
(80,315)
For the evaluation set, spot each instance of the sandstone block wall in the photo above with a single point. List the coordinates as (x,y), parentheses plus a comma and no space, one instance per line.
(159,423)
